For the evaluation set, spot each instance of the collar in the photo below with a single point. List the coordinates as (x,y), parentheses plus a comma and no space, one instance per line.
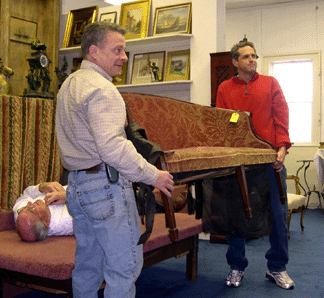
(86,64)
(238,80)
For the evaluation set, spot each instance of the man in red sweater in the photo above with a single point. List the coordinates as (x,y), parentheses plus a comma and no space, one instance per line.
(263,97)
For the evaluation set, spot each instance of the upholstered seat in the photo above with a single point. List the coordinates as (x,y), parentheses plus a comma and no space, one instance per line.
(296,203)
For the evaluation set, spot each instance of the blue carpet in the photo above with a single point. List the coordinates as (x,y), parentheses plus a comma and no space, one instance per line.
(306,249)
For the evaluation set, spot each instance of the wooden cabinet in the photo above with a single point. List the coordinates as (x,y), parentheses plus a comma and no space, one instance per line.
(221,69)
(14,54)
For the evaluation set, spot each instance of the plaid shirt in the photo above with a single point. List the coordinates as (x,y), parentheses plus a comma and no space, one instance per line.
(90,126)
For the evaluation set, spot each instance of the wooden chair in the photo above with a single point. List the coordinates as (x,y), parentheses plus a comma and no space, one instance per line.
(296,203)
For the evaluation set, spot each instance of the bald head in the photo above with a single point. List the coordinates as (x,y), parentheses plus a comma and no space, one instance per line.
(33,221)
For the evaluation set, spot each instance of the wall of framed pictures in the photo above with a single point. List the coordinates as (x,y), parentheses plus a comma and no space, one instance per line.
(176,28)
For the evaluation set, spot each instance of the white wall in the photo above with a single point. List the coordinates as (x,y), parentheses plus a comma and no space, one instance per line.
(283,28)
(208,29)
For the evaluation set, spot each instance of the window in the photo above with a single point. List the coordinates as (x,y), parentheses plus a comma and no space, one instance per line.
(299,78)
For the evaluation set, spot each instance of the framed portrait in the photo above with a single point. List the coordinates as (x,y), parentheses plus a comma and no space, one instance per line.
(76,22)
(172,19)
(109,17)
(22,30)
(135,18)
(148,68)
(121,79)
(177,66)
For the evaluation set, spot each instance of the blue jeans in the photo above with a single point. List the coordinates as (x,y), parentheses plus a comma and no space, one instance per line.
(277,255)
(107,228)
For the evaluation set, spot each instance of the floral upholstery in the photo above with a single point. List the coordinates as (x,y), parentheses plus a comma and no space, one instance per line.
(197,138)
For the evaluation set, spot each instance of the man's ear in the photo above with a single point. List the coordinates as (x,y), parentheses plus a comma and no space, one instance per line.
(93,49)
(235,62)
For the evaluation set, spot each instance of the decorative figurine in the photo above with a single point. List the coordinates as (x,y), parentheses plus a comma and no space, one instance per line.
(5,74)
(61,74)
(155,70)
(38,62)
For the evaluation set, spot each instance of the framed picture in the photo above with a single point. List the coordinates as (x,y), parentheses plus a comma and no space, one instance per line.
(121,79)
(177,66)
(147,68)
(135,17)
(172,19)
(77,20)
(22,30)
(109,17)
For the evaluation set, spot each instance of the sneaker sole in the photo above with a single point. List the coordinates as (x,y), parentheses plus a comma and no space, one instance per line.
(271,278)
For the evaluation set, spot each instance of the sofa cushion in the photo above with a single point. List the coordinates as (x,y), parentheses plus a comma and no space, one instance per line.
(218,160)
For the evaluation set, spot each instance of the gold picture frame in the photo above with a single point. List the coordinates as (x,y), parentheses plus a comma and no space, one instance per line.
(135,18)
(177,66)
(77,20)
(172,19)
(148,68)
(22,30)
(109,17)
(121,79)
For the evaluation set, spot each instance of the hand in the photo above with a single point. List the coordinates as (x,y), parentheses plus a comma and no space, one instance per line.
(55,198)
(48,187)
(164,183)
(278,165)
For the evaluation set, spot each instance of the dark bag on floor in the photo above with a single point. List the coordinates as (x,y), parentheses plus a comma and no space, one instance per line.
(223,208)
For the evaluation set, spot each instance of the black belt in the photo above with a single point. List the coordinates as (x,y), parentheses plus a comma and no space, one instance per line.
(94,169)
(112,173)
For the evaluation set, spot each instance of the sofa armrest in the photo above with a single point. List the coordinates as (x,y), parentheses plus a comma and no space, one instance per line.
(7,221)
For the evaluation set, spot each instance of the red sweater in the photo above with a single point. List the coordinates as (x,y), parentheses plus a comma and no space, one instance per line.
(263,98)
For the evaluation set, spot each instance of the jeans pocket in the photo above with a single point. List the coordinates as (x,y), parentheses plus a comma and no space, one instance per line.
(96,200)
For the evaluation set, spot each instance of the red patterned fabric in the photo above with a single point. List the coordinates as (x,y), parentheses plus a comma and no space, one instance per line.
(29,152)
(175,124)
(196,137)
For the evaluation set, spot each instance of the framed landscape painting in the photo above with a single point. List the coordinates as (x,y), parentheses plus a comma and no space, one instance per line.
(135,18)
(178,66)
(172,19)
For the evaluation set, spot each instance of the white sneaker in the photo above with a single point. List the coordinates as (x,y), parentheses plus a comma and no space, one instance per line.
(234,278)
(281,279)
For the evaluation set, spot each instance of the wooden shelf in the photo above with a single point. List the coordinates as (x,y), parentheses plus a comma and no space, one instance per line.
(140,41)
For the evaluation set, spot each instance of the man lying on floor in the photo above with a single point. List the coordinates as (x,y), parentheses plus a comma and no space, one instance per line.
(41,211)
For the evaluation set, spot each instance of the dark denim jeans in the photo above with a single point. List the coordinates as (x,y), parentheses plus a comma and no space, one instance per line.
(277,255)
(107,228)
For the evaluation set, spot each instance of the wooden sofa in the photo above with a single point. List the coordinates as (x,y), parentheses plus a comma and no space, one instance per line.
(198,142)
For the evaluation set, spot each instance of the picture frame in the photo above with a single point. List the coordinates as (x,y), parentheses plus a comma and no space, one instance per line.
(172,19)
(109,17)
(22,30)
(121,79)
(177,66)
(148,68)
(135,17)
(76,22)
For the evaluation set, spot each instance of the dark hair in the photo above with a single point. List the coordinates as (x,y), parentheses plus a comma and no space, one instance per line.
(234,51)
(95,33)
